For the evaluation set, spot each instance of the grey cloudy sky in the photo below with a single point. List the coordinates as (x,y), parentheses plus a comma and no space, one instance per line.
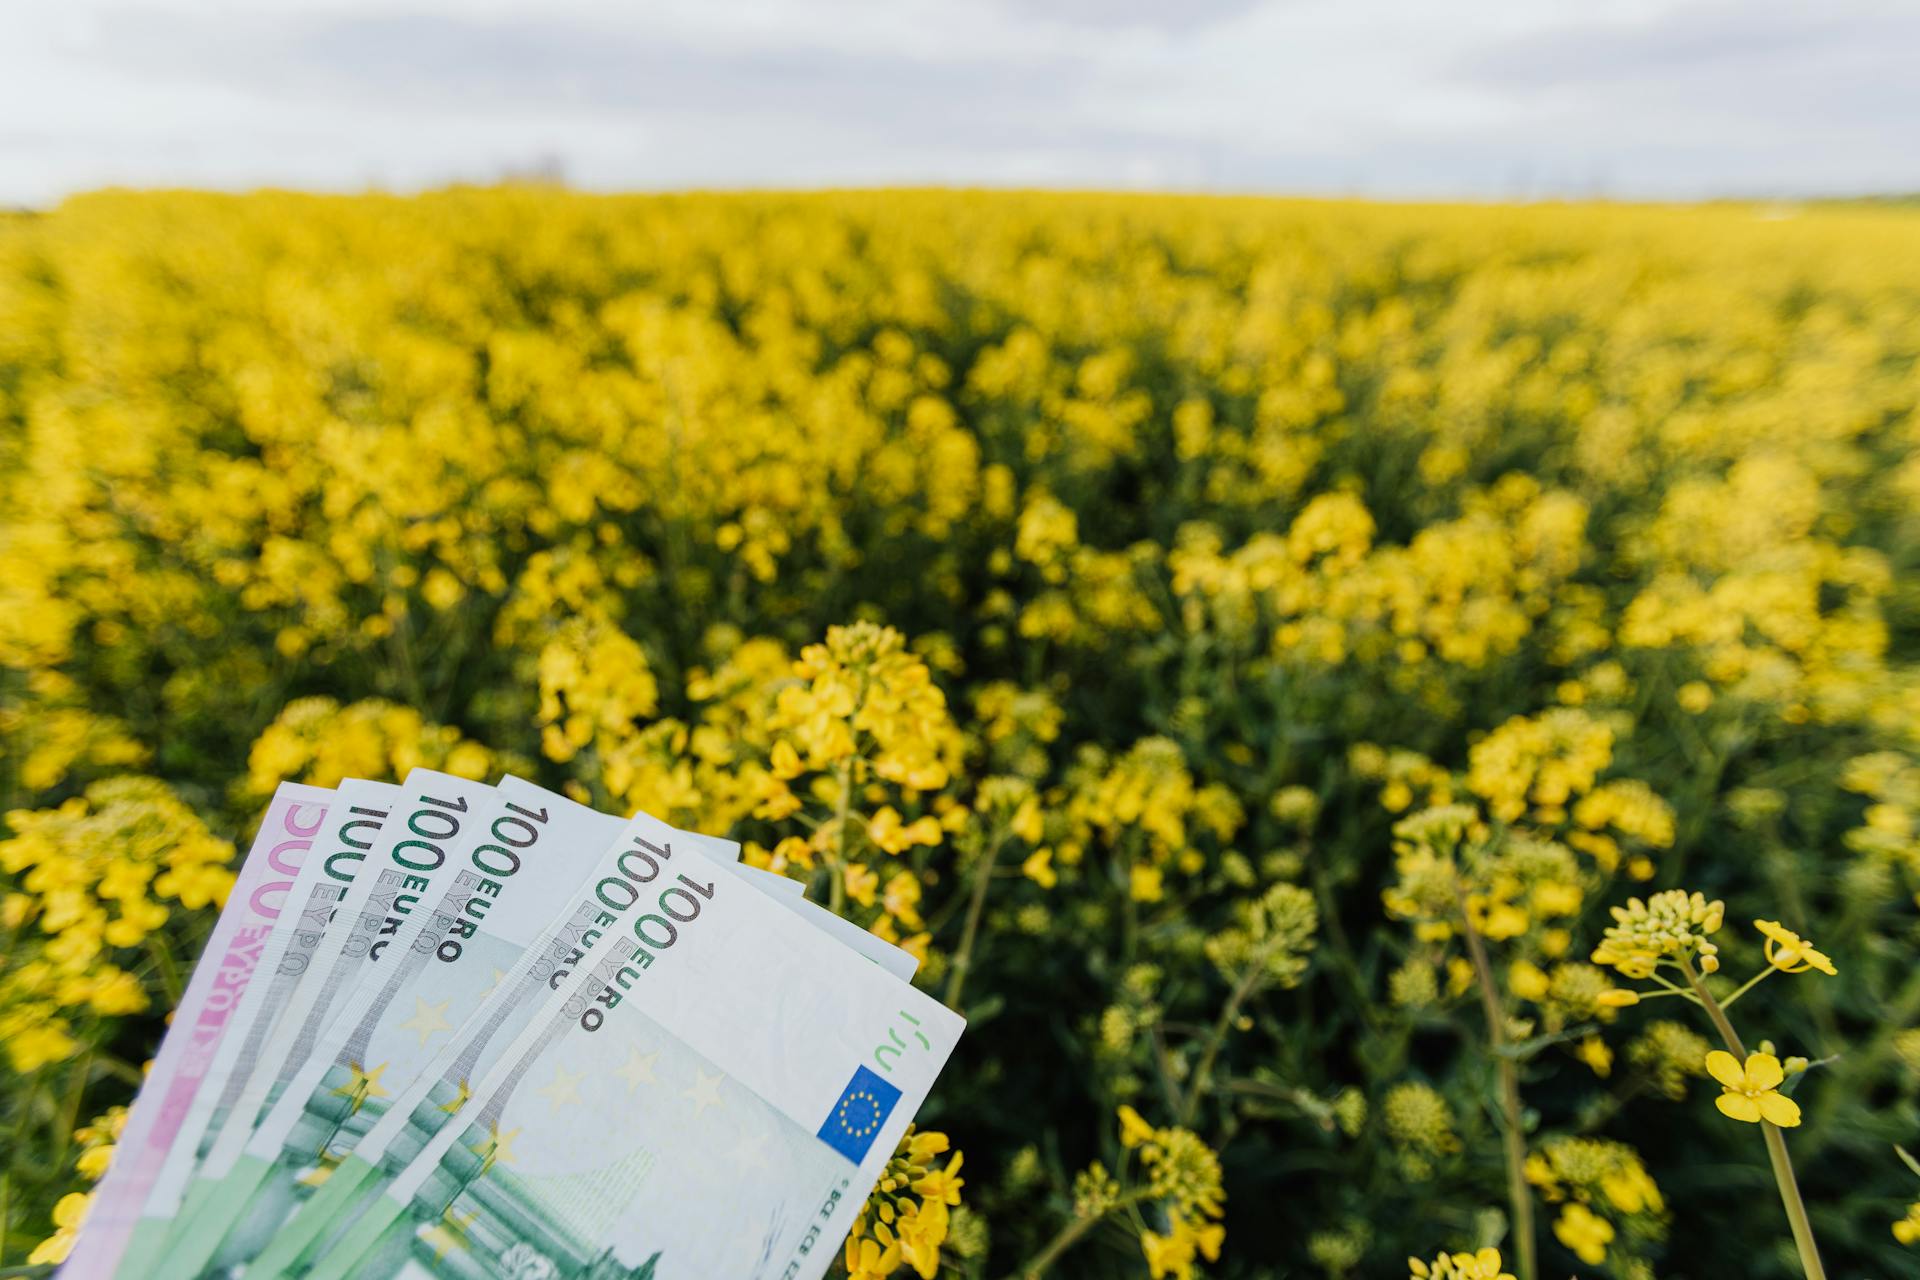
(1501,98)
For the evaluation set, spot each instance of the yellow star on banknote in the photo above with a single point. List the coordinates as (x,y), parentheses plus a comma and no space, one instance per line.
(453,1231)
(497,1149)
(458,1100)
(565,1089)
(321,1171)
(364,1084)
(428,1020)
(705,1091)
(638,1069)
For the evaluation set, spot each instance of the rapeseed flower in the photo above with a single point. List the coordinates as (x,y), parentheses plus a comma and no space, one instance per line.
(1750,1090)
(1788,952)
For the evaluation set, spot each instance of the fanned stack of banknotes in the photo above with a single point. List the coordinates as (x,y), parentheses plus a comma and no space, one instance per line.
(446,1029)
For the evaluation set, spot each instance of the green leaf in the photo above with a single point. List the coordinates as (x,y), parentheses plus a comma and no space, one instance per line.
(1906,1158)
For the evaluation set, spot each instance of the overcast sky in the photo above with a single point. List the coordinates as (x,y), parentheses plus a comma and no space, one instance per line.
(1492,98)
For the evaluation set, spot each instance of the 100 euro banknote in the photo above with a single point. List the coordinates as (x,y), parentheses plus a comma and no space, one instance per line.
(477,948)
(711,1093)
(504,863)
(440,1091)
(403,872)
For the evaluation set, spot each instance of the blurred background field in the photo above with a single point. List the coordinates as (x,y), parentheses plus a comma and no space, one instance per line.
(1164,554)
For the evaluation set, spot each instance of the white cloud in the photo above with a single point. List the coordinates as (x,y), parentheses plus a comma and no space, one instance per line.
(1394,97)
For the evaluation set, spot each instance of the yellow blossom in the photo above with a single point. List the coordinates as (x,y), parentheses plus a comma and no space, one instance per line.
(1133,1129)
(1788,952)
(1482,1265)
(1585,1232)
(1750,1091)
(69,1215)
(860,883)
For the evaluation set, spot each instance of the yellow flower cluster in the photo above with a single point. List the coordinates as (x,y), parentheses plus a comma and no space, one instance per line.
(1546,770)
(319,741)
(845,743)
(1017,725)
(1595,1182)
(1460,592)
(595,685)
(1406,776)
(61,735)
(906,1219)
(96,1141)
(1520,891)
(1544,762)
(95,877)
(1670,1053)
(862,693)
(1146,807)
(1269,940)
(1420,1123)
(1890,827)
(1482,1264)
(1672,924)
(1183,1177)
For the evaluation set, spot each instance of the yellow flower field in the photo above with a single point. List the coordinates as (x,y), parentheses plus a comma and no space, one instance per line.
(1398,725)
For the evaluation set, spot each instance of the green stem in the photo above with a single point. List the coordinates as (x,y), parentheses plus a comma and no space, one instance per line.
(1776,1144)
(1748,985)
(1308,1102)
(837,864)
(1163,1067)
(976,906)
(1678,991)
(1203,1074)
(1512,1136)
(168,970)
(1336,945)
(1068,1236)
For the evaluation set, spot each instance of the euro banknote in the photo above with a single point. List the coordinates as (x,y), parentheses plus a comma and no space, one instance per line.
(407,865)
(441,940)
(489,852)
(711,1092)
(532,847)
(328,1189)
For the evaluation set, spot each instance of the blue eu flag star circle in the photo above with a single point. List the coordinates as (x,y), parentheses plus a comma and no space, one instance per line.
(857,1117)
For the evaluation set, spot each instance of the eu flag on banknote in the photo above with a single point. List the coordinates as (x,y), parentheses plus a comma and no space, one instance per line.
(855,1120)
